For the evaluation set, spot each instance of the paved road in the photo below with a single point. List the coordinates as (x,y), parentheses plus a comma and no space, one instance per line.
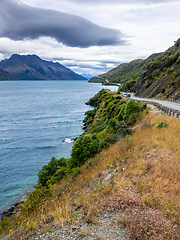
(171,105)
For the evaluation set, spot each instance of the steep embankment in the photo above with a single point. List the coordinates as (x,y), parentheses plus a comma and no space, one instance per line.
(157,76)
(161,77)
(31,67)
(129,189)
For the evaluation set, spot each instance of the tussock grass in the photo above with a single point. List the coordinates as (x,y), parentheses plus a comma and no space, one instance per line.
(144,182)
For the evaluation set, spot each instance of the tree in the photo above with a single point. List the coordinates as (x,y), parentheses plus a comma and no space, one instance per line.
(50,169)
(85,146)
(131,108)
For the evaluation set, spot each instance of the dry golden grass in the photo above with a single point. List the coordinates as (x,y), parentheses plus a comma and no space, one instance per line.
(151,165)
(147,163)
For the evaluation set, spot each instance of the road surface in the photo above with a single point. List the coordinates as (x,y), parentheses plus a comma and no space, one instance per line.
(171,105)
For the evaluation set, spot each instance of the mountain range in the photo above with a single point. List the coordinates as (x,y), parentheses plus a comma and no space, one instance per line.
(157,76)
(32,67)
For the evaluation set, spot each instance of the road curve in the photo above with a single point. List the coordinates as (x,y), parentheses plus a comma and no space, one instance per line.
(170,108)
(172,105)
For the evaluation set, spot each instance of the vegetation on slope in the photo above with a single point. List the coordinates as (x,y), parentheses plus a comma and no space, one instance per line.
(161,77)
(138,176)
(106,123)
(126,72)
(157,76)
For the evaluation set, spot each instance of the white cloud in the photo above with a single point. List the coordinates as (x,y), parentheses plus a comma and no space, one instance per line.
(149,26)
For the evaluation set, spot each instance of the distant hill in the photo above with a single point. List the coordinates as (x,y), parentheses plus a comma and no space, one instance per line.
(4,76)
(31,67)
(157,76)
(121,74)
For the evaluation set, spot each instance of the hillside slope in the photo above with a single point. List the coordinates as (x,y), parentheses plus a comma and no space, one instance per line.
(4,75)
(124,72)
(127,190)
(160,78)
(31,67)
(157,76)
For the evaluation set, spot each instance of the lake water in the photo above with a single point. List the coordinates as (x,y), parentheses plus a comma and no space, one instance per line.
(35,117)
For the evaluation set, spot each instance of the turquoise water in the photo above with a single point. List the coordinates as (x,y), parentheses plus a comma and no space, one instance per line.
(35,117)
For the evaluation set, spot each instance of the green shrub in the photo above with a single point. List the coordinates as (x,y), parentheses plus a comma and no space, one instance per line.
(36,199)
(58,175)
(112,122)
(49,170)
(129,84)
(89,116)
(163,124)
(4,224)
(132,118)
(98,125)
(130,108)
(172,58)
(121,113)
(85,146)
(76,171)
(108,140)
(97,99)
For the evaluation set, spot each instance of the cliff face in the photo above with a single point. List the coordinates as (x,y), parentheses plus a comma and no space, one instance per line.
(31,67)
(160,77)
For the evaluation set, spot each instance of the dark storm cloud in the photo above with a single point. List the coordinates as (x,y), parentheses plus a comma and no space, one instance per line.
(20,21)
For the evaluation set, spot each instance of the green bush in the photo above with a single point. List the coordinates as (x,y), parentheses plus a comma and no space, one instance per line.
(97,99)
(131,108)
(36,199)
(112,122)
(4,224)
(108,140)
(59,174)
(85,146)
(49,170)
(98,125)
(89,116)
(163,124)
(121,113)
(132,118)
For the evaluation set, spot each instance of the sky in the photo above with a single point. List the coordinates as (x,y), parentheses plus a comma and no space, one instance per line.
(88,36)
